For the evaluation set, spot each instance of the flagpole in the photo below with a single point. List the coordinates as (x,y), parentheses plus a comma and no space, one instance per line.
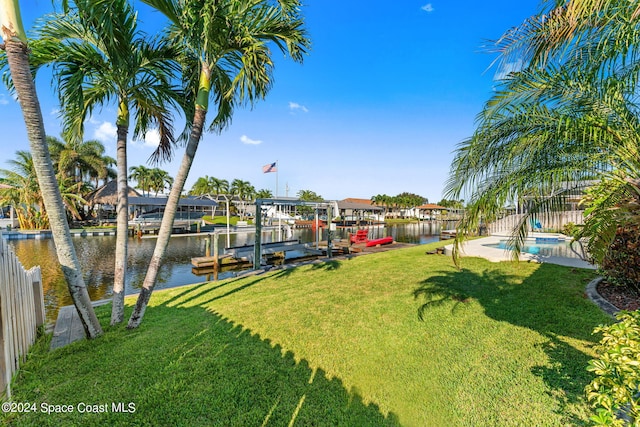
(276,179)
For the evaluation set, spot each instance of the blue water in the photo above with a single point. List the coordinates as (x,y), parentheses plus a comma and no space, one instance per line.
(545,248)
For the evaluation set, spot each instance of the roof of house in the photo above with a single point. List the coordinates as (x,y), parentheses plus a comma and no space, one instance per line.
(108,194)
(358,201)
(356,204)
(162,201)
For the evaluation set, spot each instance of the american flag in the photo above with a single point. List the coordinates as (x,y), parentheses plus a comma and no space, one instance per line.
(271,167)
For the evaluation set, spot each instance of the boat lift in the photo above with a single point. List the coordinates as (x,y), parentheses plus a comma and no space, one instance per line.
(258,246)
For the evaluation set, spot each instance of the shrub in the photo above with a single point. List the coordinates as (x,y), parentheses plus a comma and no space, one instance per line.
(620,264)
(614,392)
(569,229)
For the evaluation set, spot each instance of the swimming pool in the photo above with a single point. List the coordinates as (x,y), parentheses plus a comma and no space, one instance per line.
(545,247)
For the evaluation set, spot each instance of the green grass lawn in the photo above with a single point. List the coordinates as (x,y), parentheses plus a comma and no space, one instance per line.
(222,220)
(396,338)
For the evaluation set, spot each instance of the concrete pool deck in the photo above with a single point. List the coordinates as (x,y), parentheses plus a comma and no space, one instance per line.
(478,248)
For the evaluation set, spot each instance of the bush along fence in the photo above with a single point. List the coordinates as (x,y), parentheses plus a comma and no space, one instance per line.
(21,312)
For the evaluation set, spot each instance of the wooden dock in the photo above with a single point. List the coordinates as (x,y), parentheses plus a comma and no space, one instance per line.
(68,326)
(213,261)
(153,226)
(248,251)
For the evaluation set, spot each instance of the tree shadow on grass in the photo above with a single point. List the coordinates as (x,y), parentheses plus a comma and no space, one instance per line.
(231,287)
(328,265)
(198,291)
(189,366)
(548,301)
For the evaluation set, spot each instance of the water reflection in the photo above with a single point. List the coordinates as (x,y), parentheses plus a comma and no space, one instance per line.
(96,255)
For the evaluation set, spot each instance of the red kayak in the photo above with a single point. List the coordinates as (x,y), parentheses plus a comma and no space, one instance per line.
(381,241)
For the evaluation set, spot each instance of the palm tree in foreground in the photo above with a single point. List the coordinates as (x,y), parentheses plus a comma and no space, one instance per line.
(17,57)
(99,55)
(560,122)
(226,54)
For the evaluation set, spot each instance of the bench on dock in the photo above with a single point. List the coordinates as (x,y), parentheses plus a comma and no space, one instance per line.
(361,236)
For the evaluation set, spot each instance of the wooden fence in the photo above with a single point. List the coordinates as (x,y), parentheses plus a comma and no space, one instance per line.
(21,312)
(552,221)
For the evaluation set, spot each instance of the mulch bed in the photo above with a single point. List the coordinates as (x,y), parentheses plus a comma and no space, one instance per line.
(623,297)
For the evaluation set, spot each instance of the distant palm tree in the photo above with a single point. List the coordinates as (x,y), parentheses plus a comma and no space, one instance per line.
(226,54)
(79,163)
(201,187)
(142,175)
(23,192)
(245,193)
(159,180)
(80,160)
(219,186)
(22,80)
(264,194)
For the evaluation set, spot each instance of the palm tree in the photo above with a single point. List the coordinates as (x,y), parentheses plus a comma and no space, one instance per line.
(80,160)
(226,53)
(99,55)
(22,79)
(544,134)
(219,186)
(382,200)
(264,194)
(143,177)
(78,163)
(245,192)
(23,192)
(201,187)
(159,180)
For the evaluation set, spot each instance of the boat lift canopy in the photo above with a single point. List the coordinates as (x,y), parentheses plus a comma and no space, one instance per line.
(325,204)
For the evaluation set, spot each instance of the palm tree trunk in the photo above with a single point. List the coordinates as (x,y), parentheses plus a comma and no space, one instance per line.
(25,88)
(122,228)
(167,219)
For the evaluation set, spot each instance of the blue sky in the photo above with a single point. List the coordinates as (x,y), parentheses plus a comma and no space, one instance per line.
(386,93)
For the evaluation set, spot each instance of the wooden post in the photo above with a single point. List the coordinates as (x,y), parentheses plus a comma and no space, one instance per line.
(215,251)
(38,299)
(257,248)
(207,245)
(329,244)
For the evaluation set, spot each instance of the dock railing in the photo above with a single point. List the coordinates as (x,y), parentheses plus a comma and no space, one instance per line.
(21,312)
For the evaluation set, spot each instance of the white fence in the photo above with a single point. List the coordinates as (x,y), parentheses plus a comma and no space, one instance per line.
(553,221)
(21,312)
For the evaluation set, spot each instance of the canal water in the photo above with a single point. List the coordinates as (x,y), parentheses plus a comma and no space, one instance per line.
(96,255)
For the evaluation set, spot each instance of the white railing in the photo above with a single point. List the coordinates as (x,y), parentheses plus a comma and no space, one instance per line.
(21,312)
(549,221)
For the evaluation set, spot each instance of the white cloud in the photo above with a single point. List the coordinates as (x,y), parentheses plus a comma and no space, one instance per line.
(246,140)
(152,138)
(293,106)
(3,100)
(105,132)
(428,8)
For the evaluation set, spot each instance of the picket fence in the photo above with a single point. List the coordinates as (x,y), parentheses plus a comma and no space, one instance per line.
(21,312)
(552,221)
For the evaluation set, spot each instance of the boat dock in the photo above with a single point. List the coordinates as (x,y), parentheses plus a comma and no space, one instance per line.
(153,226)
(247,251)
